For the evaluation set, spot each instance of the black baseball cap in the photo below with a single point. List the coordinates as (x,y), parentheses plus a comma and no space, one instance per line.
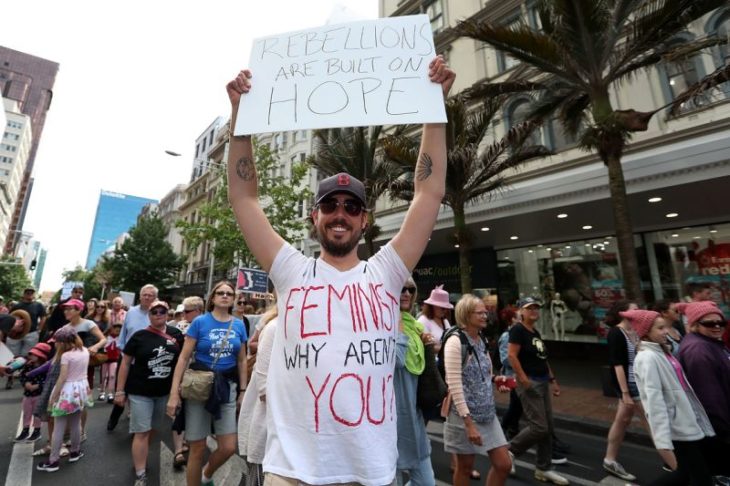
(341,182)
(527,302)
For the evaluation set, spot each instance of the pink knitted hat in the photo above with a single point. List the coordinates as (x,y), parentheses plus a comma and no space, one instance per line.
(641,320)
(695,311)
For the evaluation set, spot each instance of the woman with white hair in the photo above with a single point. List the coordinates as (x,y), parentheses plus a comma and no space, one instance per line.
(471,425)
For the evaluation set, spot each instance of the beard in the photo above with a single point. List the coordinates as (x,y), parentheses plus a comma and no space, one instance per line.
(339,248)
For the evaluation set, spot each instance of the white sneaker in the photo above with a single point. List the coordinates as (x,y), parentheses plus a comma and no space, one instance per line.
(512,468)
(613,467)
(64,451)
(550,477)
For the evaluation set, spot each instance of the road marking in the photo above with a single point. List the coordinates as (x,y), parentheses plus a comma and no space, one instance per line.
(530,466)
(229,474)
(169,476)
(20,470)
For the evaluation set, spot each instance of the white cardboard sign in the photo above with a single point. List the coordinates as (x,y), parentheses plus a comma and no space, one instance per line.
(362,73)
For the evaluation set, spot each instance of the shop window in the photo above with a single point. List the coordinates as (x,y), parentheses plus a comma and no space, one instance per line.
(696,255)
(576,281)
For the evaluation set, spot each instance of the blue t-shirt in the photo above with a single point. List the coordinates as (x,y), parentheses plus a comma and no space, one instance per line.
(210,335)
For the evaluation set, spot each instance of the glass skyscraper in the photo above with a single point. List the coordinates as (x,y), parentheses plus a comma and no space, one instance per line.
(115,215)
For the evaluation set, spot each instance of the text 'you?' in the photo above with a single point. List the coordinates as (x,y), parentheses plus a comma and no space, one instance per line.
(354,74)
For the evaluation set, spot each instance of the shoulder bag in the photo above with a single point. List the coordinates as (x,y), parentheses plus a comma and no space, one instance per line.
(197,384)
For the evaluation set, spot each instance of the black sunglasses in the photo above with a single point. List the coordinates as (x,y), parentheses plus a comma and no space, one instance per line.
(188,311)
(158,312)
(351,207)
(410,290)
(713,324)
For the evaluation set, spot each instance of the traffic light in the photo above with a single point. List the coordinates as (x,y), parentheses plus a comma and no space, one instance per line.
(33,264)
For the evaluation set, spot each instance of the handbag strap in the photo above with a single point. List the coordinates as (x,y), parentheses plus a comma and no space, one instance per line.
(224,345)
(162,334)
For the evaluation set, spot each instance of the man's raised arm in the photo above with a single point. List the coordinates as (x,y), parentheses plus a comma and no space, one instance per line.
(429,181)
(260,237)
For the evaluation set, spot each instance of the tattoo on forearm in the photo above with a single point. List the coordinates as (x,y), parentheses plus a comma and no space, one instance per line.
(245,169)
(425,167)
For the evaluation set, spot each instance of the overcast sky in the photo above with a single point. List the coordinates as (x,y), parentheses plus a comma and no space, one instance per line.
(136,78)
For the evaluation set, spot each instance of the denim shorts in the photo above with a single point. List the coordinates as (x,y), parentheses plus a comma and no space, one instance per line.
(147,413)
(198,420)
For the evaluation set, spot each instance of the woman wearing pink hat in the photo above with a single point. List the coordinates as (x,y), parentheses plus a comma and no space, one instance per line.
(707,362)
(676,417)
(433,315)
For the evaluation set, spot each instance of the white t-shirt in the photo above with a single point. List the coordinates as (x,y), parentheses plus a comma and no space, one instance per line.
(430,326)
(331,414)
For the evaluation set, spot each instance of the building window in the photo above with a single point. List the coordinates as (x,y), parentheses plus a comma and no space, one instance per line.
(679,75)
(517,112)
(504,61)
(435,12)
(719,25)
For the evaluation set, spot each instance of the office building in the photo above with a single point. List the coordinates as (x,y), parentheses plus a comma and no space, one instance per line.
(115,214)
(15,146)
(40,265)
(29,81)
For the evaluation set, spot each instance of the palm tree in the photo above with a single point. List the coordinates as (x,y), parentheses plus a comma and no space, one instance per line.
(471,174)
(584,48)
(354,150)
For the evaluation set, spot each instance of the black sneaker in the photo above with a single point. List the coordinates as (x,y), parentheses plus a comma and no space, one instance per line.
(75,456)
(48,466)
(23,435)
(34,436)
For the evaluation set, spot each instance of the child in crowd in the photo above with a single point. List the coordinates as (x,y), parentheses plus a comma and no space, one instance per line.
(32,389)
(676,417)
(69,397)
(109,369)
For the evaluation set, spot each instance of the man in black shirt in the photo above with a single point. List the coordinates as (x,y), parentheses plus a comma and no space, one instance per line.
(527,355)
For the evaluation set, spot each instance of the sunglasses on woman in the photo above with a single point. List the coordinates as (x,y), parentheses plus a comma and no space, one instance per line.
(351,206)
(221,293)
(712,324)
(410,290)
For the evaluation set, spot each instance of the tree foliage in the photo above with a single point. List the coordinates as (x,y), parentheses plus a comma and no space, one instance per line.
(474,169)
(280,198)
(96,281)
(144,258)
(13,279)
(581,52)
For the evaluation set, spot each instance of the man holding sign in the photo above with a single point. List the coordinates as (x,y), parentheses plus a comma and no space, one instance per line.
(331,407)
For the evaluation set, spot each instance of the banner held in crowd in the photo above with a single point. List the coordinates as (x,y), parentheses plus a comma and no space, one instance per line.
(355,74)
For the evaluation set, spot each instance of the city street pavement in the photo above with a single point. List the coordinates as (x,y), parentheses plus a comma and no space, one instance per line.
(107,458)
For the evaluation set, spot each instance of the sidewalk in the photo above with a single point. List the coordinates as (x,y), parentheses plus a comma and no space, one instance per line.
(581,406)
